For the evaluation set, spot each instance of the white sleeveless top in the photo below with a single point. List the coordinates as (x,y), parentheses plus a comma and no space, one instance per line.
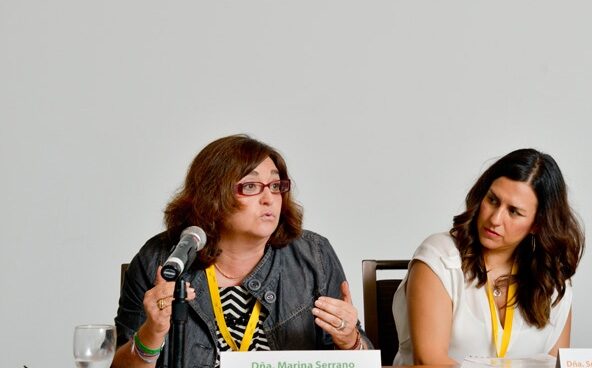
(471,333)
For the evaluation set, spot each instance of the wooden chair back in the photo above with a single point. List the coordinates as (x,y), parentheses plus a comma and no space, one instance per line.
(379,322)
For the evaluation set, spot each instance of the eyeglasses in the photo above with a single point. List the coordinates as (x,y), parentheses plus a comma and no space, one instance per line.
(253,187)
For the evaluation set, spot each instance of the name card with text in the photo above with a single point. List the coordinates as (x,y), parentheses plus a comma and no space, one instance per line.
(574,358)
(301,359)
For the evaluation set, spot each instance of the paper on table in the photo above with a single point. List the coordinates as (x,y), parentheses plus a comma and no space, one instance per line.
(541,360)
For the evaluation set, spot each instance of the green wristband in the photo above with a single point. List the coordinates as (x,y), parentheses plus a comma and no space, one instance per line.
(146,350)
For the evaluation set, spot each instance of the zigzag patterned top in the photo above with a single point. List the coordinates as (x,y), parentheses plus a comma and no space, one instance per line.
(237,305)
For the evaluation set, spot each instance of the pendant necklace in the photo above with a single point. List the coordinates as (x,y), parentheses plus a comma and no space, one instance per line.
(497,291)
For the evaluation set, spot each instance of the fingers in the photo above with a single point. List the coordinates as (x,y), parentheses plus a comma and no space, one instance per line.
(338,317)
(333,325)
(345,293)
(159,298)
(159,279)
(162,291)
(167,291)
(335,316)
(190,291)
(158,301)
(334,311)
(158,311)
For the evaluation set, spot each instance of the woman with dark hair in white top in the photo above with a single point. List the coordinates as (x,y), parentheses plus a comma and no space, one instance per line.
(498,284)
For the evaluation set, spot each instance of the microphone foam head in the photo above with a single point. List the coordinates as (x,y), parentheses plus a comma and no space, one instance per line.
(198,233)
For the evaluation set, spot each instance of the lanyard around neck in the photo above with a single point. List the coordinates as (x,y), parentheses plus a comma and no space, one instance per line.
(501,350)
(219,313)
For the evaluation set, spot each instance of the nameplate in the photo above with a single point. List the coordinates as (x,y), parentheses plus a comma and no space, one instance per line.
(301,359)
(574,358)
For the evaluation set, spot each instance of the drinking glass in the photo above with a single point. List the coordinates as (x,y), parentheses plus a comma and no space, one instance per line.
(94,346)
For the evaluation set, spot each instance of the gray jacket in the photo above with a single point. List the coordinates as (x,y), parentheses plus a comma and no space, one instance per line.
(286,282)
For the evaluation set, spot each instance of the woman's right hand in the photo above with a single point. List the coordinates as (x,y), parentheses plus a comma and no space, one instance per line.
(158,320)
(157,324)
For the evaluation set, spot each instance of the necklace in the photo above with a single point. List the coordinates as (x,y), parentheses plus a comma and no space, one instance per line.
(225,275)
(497,286)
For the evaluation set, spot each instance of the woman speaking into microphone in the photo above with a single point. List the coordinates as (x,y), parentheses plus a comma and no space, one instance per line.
(261,282)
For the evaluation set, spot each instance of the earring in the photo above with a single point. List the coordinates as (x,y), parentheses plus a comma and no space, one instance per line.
(533,242)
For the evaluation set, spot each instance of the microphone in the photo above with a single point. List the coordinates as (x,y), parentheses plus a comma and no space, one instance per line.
(192,238)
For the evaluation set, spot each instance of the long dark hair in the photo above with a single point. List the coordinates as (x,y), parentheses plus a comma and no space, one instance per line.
(207,198)
(547,258)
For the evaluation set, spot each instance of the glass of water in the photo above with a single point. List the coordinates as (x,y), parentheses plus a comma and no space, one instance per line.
(94,346)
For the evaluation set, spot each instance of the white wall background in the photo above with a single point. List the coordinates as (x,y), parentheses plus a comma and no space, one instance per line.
(386,111)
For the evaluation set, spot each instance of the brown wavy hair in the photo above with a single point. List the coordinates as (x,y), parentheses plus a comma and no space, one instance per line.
(548,257)
(207,197)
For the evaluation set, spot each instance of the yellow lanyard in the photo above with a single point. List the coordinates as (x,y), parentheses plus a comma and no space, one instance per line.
(501,350)
(217,305)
